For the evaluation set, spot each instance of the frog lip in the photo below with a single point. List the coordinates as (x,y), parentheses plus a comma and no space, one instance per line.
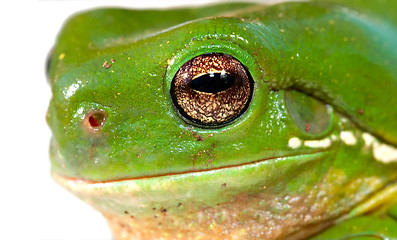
(209,186)
(61,177)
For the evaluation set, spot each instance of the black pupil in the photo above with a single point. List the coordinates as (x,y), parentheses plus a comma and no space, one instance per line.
(213,82)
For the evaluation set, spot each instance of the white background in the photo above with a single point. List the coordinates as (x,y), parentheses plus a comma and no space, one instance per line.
(32,206)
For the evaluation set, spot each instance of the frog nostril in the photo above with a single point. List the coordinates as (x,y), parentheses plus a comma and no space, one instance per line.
(94,120)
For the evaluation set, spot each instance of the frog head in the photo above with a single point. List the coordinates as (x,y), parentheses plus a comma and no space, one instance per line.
(237,120)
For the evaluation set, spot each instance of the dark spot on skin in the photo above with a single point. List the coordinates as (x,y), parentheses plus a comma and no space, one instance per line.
(179,204)
(92,150)
(132,217)
(155,216)
(122,225)
(223,185)
(210,162)
(194,162)
(196,136)
(308,125)
(126,212)
(108,65)
(163,211)
(154,209)
(202,156)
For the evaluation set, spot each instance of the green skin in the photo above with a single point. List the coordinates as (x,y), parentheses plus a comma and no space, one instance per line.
(325,61)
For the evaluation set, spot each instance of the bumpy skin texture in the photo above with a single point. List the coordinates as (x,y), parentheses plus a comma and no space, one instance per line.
(315,147)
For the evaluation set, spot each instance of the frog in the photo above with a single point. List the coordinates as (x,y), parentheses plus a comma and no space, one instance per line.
(230,121)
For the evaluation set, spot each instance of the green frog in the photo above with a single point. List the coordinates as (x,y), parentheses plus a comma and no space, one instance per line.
(230,121)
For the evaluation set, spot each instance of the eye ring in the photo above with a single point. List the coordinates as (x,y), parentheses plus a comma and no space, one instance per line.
(211,90)
(94,120)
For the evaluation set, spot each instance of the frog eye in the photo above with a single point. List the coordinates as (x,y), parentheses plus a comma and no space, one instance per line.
(212,89)
(309,114)
(94,120)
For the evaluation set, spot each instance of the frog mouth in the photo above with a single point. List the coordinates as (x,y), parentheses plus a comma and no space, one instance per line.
(254,175)
(251,164)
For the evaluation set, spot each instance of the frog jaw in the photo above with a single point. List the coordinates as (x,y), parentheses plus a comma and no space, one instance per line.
(210,201)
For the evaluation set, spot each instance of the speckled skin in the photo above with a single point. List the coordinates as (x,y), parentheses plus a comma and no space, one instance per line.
(120,144)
